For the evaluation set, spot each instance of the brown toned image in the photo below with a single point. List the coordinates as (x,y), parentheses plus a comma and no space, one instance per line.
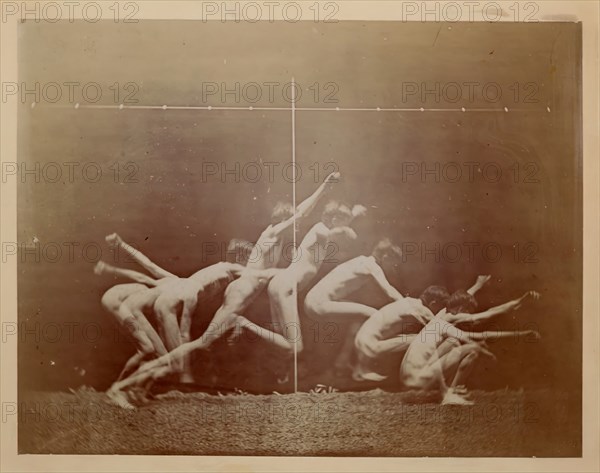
(315,238)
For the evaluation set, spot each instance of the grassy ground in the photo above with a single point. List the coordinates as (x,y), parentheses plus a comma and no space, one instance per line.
(370,423)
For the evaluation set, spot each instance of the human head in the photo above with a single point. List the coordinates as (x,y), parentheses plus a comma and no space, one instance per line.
(385,251)
(239,251)
(336,214)
(435,298)
(461,302)
(281,212)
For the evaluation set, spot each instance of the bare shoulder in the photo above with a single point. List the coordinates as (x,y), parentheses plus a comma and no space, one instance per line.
(319,228)
(360,264)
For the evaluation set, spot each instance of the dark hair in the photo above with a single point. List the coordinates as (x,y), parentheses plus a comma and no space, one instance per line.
(332,209)
(383,247)
(282,211)
(435,298)
(461,302)
(240,250)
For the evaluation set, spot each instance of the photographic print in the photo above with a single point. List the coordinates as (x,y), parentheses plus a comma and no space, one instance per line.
(247,234)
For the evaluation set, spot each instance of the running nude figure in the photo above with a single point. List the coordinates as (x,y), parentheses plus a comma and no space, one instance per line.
(238,297)
(284,287)
(442,352)
(268,250)
(145,338)
(169,297)
(329,298)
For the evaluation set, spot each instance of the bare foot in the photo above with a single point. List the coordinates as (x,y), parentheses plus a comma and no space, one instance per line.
(119,398)
(451,398)
(100,267)
(138,395)
(371,376)
(462,391)
(113,240)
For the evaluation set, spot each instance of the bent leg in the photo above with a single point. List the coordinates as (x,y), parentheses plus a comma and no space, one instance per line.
(105,268)
(272,337)
(185,327)
(165,310)
(116,241)
(165,365)
(113,298)
(284,309)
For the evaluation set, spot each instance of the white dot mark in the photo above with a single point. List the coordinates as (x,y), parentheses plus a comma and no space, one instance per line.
(164,107)
(548,108)
(33,105)
(337,109)
(379,109)
(463,109)
(209,107)
(121,106)
(77,105)
(422,109)
(506,109)
(250,108)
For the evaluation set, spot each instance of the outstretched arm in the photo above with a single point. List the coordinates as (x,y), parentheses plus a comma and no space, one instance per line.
(115,241)
(491,334)
(481,281)
(493,312)
(382,281)
(305,207)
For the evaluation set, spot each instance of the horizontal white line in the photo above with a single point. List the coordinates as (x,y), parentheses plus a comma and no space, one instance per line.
(288,109)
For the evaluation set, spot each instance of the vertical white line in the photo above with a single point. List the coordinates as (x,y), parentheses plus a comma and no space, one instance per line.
(294,218)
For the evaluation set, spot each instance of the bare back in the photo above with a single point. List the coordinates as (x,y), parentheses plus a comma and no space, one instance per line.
(403,316)
(213,279)
(343,280)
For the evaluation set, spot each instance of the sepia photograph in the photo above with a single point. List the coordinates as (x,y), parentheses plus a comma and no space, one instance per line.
(307,236)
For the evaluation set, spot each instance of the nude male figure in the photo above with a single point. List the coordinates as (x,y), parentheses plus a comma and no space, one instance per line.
(284,288)
(268,250)
(384,337)
(441,353)
(165,299)
(330,298)
(238,297)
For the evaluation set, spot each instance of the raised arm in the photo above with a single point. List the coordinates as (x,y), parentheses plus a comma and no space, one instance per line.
(382,281)
(305,207)
(493,312)
(481,281)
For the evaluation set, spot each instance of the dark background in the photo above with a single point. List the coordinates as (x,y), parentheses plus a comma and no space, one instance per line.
(172,210)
